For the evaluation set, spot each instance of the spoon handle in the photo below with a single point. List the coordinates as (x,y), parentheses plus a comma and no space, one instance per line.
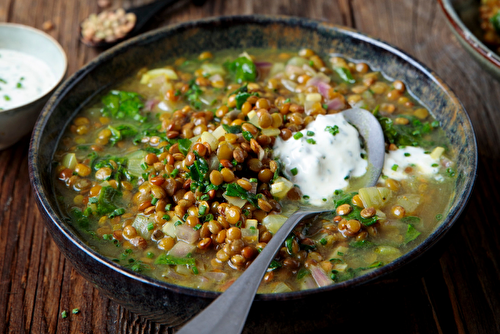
(145,12)
(228,313)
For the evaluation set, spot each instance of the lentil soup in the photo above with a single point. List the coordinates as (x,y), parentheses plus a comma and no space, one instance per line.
(185,171)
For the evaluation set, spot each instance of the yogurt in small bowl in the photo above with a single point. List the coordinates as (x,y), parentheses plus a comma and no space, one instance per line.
(32,64)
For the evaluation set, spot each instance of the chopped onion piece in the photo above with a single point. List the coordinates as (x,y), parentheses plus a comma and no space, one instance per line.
(239,202)
(187,233)
(290,85)
(375,196)
(320,276)
(271,132)
(274,222)
(409,202)
(166,72)
(216,276)
(181,249)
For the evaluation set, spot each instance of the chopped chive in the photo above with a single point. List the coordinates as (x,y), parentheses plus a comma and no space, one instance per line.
(310,141)
(434,165)
(75,311)
(177,223)
(287,101)
(324,200)
(202,210)
(334,130)
(311,63)
(64,314)
(439,217)
(151,226)
(394,167)
(19,85)
(6,97)
(427,152)
(166,217)
(323,241)
(168,207)
(407,154)
(298,135)
(144,166)
(253,180)
(305,197)
(195,270)
(325,106)
(154,201)
(385,177)
(174,173)
(310,133)
(294,171)
(197,227)
(150,255)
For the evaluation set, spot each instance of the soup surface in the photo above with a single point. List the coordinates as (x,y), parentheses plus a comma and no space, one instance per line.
(186,170)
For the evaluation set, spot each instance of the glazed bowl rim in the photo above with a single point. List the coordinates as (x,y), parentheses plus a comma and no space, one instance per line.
(42,194)
(475,43)
(59,78)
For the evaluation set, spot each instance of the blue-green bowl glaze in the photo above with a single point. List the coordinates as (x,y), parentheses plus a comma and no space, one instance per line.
(171,304)
(464,22)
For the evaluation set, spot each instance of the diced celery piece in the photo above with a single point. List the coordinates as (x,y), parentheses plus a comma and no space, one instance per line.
(219,132)
(212,69)
(409,202)
(276,68)
(253,118)
(338,253)
(250,235)
(141,223)
(271,132)
(280,187)
(281,288)
(313,97)
(207,137)
(437,152)
(69,161)
(297,61)
(251,223)
(135,160)
(274,222)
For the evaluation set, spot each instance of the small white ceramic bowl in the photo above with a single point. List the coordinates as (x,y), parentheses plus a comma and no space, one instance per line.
(17,122)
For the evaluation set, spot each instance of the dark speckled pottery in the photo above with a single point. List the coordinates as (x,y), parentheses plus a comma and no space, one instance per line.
(172,304)
(463,19)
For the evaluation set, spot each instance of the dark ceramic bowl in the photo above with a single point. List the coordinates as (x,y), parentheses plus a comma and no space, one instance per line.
(170,304)
(463,19)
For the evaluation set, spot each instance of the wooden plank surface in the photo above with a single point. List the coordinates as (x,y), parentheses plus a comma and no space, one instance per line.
(459,294)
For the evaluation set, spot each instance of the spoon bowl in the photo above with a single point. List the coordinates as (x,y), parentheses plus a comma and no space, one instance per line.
(238,298)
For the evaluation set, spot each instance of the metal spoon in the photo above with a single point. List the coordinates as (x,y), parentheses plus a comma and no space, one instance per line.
(143,14)
(238,298)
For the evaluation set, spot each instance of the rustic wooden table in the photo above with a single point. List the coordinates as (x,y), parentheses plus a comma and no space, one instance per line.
(461,291)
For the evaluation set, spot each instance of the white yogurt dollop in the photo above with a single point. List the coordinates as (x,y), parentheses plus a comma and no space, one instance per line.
(324,158)
(421,163)
(23,78)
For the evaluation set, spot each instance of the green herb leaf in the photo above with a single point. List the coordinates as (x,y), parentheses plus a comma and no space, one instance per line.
(411,234)
(345,74)
(232,128)
(184,145)
(172,260)
(243,69)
